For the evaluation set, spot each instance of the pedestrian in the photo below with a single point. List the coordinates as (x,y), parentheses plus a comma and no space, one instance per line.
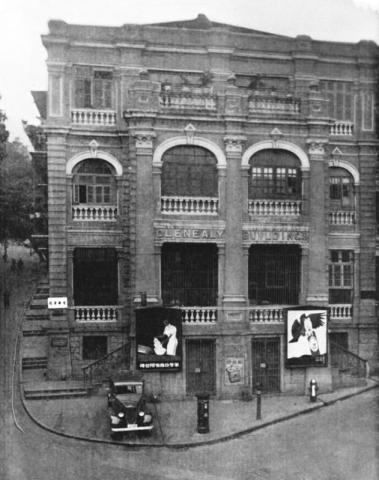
(20,266)
(6,298)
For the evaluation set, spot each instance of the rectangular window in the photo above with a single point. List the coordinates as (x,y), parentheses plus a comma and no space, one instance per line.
(94,347)
(340,96)
(274,182)
(93,88)
(341,276)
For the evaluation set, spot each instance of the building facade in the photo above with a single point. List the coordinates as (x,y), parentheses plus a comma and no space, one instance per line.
(225,171)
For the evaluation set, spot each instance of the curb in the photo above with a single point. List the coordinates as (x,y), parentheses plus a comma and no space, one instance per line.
(187,445)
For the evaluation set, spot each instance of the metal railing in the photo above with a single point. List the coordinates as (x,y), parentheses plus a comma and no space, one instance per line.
(107,365)
(348,362)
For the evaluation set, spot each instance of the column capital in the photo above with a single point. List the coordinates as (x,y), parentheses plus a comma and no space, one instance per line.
(234,143)
(316,146)
(144,139)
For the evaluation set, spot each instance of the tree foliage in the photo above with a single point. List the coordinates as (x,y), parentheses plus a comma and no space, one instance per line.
(16,192)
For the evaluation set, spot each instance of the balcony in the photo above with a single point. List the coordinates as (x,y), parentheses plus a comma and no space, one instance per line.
(94,213)
(189,205)
(273,104)
(267,314)
(342,129)
(341,311)
(342,217)
(274,207)
(86,116)
(199,315)
(97,314)
(188,101)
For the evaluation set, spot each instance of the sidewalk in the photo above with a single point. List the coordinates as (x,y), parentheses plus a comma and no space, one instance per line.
(176,421)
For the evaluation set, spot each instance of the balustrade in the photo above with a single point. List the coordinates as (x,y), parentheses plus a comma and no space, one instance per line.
(269,314)
(98,313)
(342,217)
(94,213)
(189,205)
(342,129)
(199,315)
(93,117)
(341,312)
(274,104)
(188,101)
(274,207)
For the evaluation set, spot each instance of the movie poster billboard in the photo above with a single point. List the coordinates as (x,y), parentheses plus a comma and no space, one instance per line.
(159,339)
(307,337)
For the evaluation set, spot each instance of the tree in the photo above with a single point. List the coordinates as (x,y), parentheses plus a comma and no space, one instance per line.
(4,134)
(16,192)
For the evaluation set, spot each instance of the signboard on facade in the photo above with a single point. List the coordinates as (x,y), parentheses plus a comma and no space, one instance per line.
(159,339)
(275,235)
(234,370)
(180,233)
(307,337)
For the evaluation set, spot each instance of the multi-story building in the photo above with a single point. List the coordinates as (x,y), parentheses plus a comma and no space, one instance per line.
(229,171)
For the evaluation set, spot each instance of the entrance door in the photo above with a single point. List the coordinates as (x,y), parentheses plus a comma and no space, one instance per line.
(266,364)
(201,363)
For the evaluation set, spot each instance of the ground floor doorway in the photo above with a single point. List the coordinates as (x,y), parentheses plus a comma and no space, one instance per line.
(266,364)
(201,366)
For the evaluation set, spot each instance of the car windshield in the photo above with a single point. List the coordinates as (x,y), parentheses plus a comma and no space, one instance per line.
(124,389)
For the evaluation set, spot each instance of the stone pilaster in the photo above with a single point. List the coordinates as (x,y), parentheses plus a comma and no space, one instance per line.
(318,215)
(145,207)
(234,290)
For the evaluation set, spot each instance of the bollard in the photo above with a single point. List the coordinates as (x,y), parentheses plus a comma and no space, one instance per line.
(203,413)
(313,389)
(258,392)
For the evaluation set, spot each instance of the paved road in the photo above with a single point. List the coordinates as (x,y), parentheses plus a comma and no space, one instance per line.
(334,443)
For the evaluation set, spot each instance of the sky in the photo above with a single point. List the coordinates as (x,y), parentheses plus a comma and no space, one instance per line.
(23,57)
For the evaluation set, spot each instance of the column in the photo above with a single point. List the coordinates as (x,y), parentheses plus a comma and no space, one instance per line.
(318,225)
(233,274)
(145,208)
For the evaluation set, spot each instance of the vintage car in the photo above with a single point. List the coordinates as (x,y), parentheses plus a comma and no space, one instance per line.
(127,407)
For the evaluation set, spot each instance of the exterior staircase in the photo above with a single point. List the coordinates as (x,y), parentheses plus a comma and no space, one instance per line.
(34,353)
(348,369)
(111,364)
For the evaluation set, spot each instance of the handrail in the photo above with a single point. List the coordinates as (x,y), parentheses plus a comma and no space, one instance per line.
(353,355)
(88,369)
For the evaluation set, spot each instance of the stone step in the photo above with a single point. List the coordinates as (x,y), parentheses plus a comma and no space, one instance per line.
(34,333)
(41,305)
(36,316)
(54,395)
(34,362)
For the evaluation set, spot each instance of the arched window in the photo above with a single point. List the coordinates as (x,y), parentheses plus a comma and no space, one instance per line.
(94,182)
(274,174)
(189,171)
(341,189)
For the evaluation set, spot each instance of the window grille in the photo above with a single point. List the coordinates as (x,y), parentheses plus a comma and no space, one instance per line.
(189,171)
(95,276)
(274,274)
(189,274)
(274,174)
(341,276)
